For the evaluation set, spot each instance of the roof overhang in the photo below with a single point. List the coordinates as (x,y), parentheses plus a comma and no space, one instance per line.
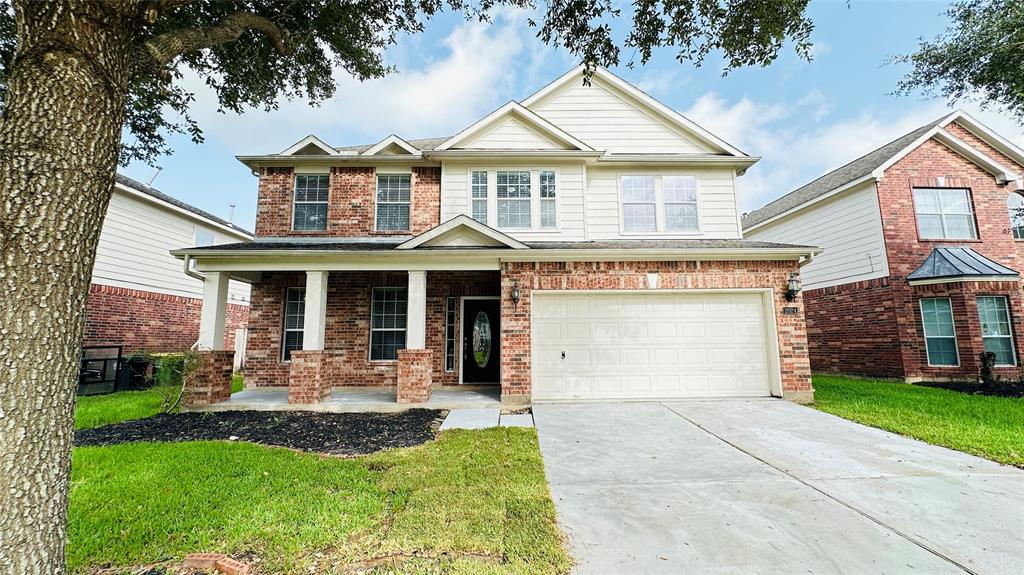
(939,133)
(273,160)
(963,278)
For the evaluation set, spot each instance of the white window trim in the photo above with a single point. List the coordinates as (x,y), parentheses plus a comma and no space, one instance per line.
(284,321)
(376,182)
(369,333)
(492,197)
(1009,324)
(924,333)
(942,215)
(327,203)
(661,228)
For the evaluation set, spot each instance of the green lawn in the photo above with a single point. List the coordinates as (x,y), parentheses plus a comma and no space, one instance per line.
(97,410)
(989,427)
(471,502)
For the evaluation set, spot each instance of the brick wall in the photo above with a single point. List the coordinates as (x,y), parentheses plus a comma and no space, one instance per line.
(516,328)
(149,321)
(351,207)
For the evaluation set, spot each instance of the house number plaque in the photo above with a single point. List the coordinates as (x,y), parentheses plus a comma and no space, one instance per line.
(790,310)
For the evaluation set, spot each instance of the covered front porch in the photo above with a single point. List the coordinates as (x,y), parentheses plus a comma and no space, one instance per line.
(359,400)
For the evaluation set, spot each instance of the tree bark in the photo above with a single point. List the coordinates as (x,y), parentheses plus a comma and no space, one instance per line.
(59,142)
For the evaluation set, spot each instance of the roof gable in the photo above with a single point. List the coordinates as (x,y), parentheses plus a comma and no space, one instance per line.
(392,146)
(513,124)
(567,101)
(462,232)
(309,146)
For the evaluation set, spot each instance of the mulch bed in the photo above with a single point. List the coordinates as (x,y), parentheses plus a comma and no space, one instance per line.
(1010,389)
(333,433)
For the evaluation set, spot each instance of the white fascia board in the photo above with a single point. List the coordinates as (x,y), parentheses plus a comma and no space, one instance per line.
(958,279)
(952,142)
(744,161)
(511,153)
(310,139)
(986,134)
(514,109)
(257,162)
(181,211)
(641,97)
(817,200)
(458,221)
(392,140)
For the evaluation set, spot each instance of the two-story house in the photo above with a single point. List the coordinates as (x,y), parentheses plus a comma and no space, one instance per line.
(922,248)
(581,243)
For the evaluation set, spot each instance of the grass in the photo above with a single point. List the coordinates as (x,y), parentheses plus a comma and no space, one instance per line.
(473,502)
(989,427)
(97,410)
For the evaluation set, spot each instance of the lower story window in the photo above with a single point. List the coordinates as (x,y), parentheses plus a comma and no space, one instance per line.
(387,322)
(294,320)
(939,333)
(996,333)
(449,335)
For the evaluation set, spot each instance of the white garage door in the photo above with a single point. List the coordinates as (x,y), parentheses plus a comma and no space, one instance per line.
(636,345)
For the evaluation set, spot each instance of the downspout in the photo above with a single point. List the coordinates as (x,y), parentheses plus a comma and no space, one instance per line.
(189,271)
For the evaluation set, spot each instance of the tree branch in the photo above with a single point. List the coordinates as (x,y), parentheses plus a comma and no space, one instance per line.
(168,46)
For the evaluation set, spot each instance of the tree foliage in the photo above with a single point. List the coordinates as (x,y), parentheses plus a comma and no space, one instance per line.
(979,56)
(255,53)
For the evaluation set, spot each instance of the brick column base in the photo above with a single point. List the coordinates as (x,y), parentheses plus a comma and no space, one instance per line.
(210,381)
(414,375)
(308,380)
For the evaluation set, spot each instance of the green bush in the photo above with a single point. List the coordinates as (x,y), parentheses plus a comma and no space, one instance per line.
(168,368)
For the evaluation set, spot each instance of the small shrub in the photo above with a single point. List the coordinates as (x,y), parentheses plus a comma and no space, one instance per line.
(987,360)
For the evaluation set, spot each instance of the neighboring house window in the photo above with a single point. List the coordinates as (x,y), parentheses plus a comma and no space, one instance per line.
(203,238)
(387,322)
(680,202)
(944,213)
(1015,206)
(310,210)
(639,204)
(294,320)
(548,208)
(513,199)
(449,334)
(480,197)
(939,333)
(996,334)
(393,202)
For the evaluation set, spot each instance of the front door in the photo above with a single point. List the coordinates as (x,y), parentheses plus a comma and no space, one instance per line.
(481,332)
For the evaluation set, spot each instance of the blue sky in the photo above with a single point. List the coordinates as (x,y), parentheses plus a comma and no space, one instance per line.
(803,118)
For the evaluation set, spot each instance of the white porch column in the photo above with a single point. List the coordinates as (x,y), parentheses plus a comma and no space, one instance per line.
(416,310)
(215,306)
(315,318)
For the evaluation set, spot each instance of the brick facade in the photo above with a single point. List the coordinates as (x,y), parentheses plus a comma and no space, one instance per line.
(210,381)
(415,367)
(351,206)
(516,323)
(874,328)
(308,378)
(145,321)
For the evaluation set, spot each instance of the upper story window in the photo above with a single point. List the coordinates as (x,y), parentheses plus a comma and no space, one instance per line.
(513,189)
(479,193)
(659,203)
(393,192)
(944,213)
(309,212)
(548,207)
(1015,207)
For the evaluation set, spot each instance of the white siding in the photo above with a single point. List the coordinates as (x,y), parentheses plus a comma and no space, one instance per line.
(848,227)
(134,249)
(512,135)
(716,204)
(569,196)
(603,120)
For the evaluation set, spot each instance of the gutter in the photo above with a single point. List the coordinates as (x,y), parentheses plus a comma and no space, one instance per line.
(187,265)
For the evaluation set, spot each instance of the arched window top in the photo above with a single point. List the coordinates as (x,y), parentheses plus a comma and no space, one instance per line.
(1015,207)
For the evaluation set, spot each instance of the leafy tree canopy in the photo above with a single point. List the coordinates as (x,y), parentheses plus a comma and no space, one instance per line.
(253,53)
(979,56)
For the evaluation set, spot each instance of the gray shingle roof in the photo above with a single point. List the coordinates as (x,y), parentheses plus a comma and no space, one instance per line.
(155,193)
(853,171)
(421,144)
(958,262)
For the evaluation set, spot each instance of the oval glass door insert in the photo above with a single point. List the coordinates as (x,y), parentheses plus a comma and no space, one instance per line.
(481,339)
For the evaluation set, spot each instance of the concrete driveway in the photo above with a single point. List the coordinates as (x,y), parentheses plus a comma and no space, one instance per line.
(767,486)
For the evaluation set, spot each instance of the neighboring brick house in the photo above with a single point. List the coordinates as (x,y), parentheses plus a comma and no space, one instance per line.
(922,246)
(141,298)
(583,243)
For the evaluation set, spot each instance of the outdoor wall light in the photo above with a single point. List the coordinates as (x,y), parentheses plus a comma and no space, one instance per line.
(516,295)
(793,287)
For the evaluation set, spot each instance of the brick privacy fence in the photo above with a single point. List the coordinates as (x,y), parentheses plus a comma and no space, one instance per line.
(351,205)
(515,327)
(874,328)
(149,321)
(348,325)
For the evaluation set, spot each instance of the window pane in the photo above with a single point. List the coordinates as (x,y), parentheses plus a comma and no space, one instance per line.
(926,201)
(547,214)
(638,217)
(942,351)
(954,202)
(547,184)
(513,213)
(480,211)
(384,345)
(392,217)
(938,317)
(387,322)
(929,226)
(637,189)
(479,184)
(994,316)
(292,341)
(312,188)
(294,320)
(1002,347)
(959,227)
(393,188)
(513,185)
(681,216)
(679,189)
(310,217)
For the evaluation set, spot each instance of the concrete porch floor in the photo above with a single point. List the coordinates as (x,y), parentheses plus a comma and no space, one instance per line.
(359,399)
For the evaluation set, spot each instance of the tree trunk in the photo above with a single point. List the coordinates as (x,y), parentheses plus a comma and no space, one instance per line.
(59,142)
